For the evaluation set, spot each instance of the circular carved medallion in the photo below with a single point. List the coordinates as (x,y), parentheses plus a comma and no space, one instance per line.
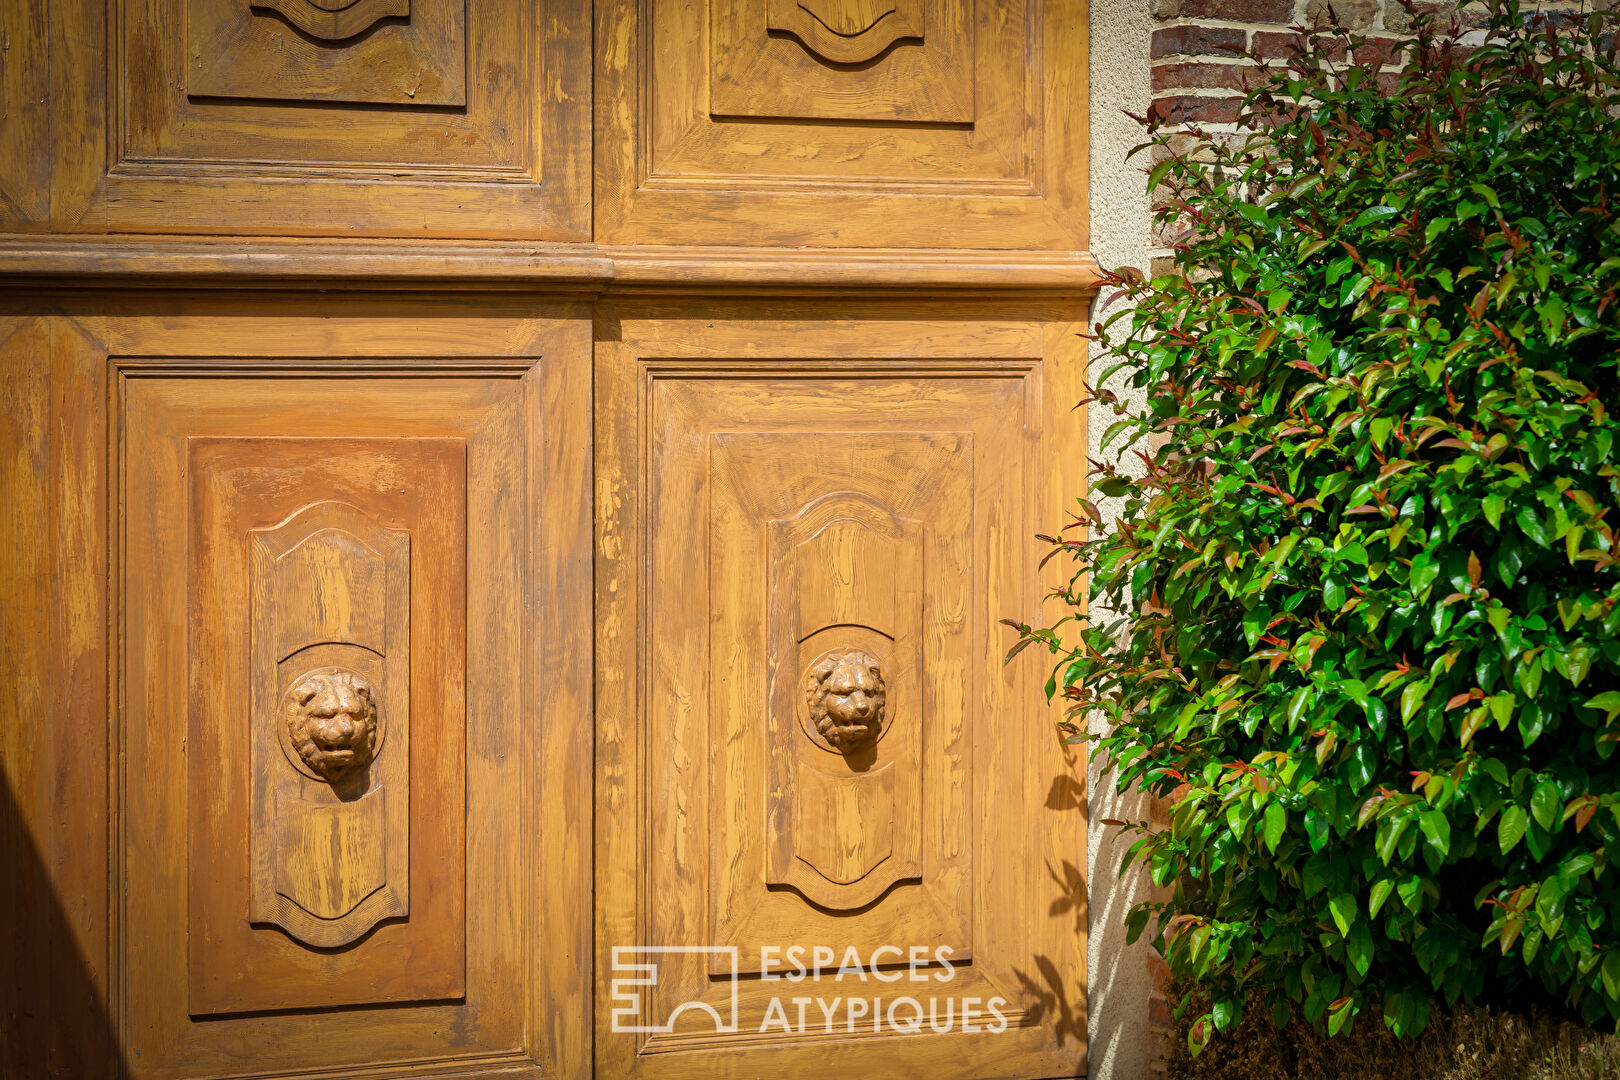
(332,721)
(845,698)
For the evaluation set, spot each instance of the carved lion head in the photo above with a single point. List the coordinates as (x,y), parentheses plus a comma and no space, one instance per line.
(845,693)
(331,716)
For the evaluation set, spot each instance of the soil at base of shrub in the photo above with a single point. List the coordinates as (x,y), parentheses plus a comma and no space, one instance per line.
(1474,1044)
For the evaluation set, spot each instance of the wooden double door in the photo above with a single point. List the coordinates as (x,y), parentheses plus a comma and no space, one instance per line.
(507,514)
(482,699)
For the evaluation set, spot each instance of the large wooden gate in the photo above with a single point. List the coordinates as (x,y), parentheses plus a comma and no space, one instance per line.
(507,510)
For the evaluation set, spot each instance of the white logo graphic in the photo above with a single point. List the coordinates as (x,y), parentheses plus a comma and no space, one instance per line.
(635,970)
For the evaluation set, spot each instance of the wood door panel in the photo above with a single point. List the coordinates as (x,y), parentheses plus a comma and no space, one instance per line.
(435,119)
(842,123)
(810,528)
(228,456)
(342,829)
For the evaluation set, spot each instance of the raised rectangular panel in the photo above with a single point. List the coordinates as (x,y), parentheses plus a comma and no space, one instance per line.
(809,527)
(842,123)
(311,870)
(402,52)
(331,675)
(842,620)
(348,761)
(302,557)
(908,60)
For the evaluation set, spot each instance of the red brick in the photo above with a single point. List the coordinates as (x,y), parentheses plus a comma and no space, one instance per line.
(1274,11)
(1159,1015)
(1378,51)
(1282,46)
(1200,76)
(1277,44)
(1198,41)
(1196,110)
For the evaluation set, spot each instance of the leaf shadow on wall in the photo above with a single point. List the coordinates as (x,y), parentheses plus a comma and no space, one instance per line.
(1054,1000)
(53,1020)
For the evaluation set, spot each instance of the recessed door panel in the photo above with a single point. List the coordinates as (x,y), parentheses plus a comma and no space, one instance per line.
(309,557)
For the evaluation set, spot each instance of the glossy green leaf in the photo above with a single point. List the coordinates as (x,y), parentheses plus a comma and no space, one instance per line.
(1510,827)
(1343,910)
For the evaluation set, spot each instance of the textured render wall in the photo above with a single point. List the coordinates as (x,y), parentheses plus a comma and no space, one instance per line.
(1121,999)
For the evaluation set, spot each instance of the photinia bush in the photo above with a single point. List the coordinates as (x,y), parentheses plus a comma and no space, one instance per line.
(1367,592)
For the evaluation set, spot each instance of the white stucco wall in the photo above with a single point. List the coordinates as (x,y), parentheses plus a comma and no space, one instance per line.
(1120,980)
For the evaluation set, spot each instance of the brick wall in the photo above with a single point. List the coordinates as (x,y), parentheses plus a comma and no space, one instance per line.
(1198,46)
(1200,50)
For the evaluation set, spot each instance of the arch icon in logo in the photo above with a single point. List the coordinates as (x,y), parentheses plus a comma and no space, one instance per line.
(635,973)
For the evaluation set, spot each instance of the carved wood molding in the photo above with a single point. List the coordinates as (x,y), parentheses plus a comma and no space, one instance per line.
(336,20)
(846,31)
(331,678)
(238,263)
(399,52)
(846,595)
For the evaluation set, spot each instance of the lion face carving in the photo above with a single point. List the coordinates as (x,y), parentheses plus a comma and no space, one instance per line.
(331,717)
(845,694)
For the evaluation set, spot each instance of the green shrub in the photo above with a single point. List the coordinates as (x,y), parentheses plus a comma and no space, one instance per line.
(1368,584)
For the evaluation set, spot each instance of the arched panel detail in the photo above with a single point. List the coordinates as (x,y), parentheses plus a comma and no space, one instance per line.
(330,679)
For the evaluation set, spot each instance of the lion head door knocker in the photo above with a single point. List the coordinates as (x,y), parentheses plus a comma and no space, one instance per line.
(332,721)
(845,697)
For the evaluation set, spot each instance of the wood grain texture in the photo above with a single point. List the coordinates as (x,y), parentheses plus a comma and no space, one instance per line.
(336,20)
(683,674)
(25,169)
(109,969)
(845,608)
(848,31)
(53,701)
(243,791)
(988,151)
